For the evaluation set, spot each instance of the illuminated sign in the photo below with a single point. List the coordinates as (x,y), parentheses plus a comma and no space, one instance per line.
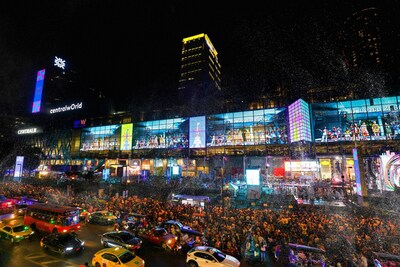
(126,136)
(37,98)
(357,173)
(197,132)
(80,123)
(66,108)
(299,121)
(390,171)
(19,165)
(33,130)
(59,62)
(253,176)
(376,108)
(301,166)
(176,170)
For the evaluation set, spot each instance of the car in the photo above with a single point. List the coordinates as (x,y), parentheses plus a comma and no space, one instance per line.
(210,256)
(102,217)
(160,237)
(381,258)
(112,257)
(122,239)
(180,227)
(16,232)
(20,209)
(62,243)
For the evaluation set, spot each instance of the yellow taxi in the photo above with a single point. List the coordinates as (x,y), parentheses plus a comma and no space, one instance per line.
(116,256)
(15,232)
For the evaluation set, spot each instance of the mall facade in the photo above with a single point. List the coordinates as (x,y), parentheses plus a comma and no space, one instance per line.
(356,141)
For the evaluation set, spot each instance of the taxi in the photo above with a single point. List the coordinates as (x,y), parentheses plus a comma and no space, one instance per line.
(16,232)
(116,256)
(102,217)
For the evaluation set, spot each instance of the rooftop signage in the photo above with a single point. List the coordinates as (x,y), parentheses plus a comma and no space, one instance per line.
(59,62)
(33,130)
(66,108)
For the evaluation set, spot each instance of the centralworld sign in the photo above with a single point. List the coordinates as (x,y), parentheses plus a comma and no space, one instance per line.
(66,108)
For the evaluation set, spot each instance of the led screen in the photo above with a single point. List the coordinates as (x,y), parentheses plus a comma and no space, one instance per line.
(357,120)
(253,177)
(170,133)
(126,136)
(197,132)
(37,98)
(255,127)
(175,170)
(101,138)
(389,172)
(19,165)
(357,173)
(299,121)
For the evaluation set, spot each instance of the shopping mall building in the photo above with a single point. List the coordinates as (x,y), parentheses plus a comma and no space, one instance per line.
(355,140)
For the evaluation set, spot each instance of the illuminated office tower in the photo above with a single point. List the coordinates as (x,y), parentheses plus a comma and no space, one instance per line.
(362,39)
(200,74)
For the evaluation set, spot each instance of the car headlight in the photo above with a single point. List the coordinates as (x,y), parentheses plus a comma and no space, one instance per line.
(129,245)
(17,236)
(82,243)
(69,248)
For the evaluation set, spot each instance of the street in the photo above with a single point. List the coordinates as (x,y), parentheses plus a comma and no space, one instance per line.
(28,253)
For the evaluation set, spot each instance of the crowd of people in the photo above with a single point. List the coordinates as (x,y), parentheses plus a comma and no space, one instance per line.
(349,238)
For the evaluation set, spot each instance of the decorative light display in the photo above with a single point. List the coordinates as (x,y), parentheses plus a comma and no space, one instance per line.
(299,122)
(59,62)
(37,98)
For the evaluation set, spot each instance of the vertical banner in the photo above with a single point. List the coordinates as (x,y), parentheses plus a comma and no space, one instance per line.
(19,166)
(359,190)
(197,132)
(126,136)
(37,97)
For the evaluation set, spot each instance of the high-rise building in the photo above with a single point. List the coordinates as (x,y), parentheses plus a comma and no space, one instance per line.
(361,39)
(200,74)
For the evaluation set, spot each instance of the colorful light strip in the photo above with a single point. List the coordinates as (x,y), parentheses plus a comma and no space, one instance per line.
(37,98)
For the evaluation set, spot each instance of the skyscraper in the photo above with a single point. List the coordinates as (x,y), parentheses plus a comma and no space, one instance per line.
(361,38)
(200,74)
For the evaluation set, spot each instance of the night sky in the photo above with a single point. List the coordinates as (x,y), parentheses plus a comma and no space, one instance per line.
(131,49)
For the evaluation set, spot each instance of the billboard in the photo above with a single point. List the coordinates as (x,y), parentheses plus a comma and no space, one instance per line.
(19,166)
(197,132)
(253,176)
(373,119)
(37,98)
(126,136)
(389,172)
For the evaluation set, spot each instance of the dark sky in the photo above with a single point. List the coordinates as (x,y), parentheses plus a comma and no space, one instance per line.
(132,48)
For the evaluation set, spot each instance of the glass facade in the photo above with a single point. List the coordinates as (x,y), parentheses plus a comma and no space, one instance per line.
(266,126)
(171,133)
(101,138)
(356,120)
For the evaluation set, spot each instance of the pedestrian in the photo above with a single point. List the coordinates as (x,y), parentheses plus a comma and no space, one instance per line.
(263,251)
